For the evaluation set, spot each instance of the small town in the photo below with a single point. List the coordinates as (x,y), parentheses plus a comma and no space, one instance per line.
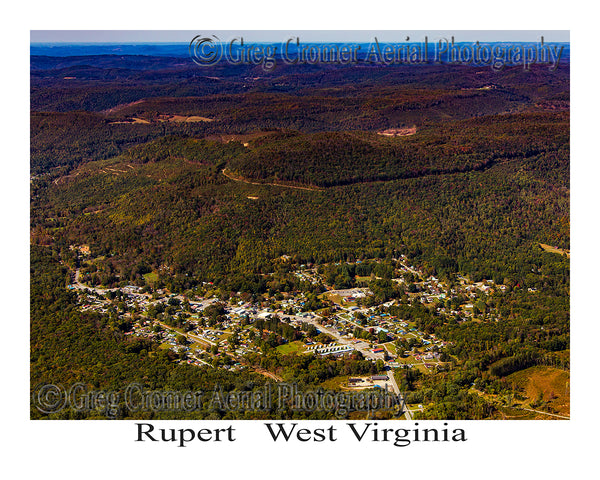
(206,329)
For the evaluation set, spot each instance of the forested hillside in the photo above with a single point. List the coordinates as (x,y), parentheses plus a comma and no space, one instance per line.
(195,181)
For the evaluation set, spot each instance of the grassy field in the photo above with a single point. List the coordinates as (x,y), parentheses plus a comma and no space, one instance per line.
(151,277)
(292,347)
(539,393)
(417,364)
(546,388)
(335,383)
(363,279)
(334,297)
(551,249)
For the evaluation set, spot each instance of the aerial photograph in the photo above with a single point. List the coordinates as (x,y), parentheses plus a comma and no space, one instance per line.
(299,225)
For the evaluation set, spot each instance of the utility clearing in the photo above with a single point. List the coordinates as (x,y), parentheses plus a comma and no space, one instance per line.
(551,249)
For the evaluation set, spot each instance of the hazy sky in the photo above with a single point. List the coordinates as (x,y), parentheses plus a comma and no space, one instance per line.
(175,36)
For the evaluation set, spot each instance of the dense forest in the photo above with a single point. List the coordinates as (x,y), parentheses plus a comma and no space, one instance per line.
(159,169)
(449,220)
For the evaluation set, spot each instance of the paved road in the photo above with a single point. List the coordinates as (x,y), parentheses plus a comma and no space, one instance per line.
(545,413)
(362,347)
(396,390)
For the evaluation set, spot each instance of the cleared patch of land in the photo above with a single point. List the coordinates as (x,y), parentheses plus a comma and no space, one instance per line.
(398,132)
(292,347)
(539,393)
(363,383)
(546,389)
(131,121)
(551,249)
(183,118)
(236,178)
(151,277)
(334,297)
(163,118)
(266,373)
(122,106)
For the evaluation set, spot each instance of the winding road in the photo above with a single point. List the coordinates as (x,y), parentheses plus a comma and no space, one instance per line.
(243,180)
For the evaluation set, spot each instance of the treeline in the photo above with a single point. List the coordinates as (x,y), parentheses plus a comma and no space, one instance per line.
(524,360)
(330,159)
(199,151)
(308,370)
